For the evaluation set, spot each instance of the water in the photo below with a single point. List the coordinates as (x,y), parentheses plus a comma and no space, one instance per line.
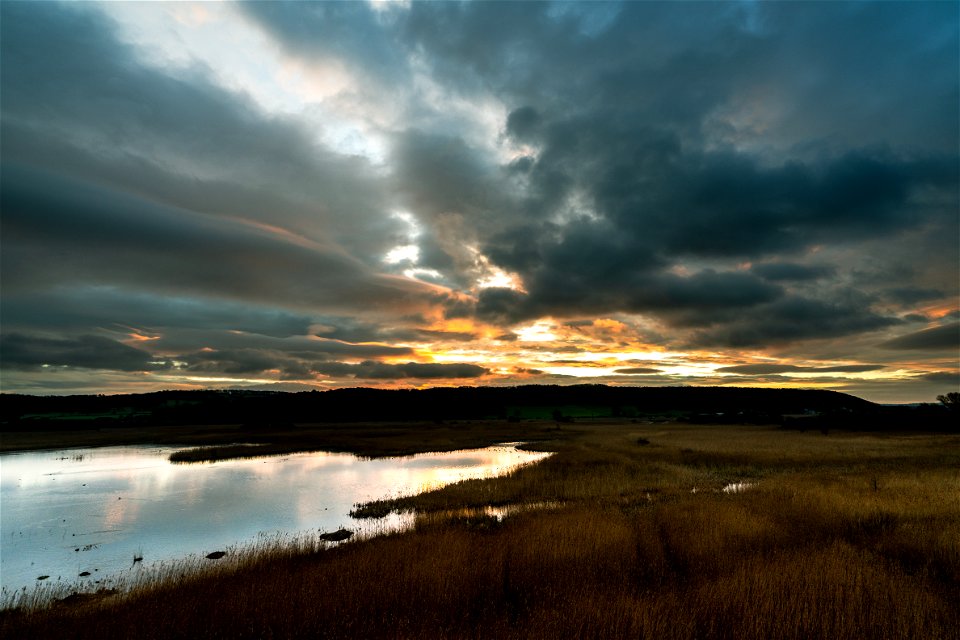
(93,510)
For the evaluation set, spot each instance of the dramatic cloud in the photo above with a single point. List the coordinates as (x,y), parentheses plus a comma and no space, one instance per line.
(378,371)
(76,308)
(787,271)
(317,194)
(793,319)
(763,369)
(944,377)
(87,352)
(66,233)
(937,338)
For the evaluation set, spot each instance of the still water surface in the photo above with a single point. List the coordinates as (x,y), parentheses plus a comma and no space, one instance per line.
(93,510)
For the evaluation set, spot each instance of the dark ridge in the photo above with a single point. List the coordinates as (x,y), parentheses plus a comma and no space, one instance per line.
(277,410)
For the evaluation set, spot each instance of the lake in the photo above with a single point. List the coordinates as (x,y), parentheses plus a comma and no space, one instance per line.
(93,510)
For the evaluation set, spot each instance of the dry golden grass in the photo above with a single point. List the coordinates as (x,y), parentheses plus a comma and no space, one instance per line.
(840,536)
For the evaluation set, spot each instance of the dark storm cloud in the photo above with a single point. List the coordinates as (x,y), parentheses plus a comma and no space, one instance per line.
(304,348)
(912,295)
(233,361)
(601,285)
(662,209)
(76,308)
(792,319)
(339,348)
(739,174)
(422,370)
(371,370)
(249,362)
(626,125)
(945,377)
(653,184)
(59,231)
(358,350)
(657,138)
(457,193)
(158,228)
(718,207)
(244,355)
(676,64)
(21,351)
(353,330)
(441,174)
(706,291)
(935,339)
(524,124)
(349,330)
(75,100)
(530,372)
(791,271)
(761,369)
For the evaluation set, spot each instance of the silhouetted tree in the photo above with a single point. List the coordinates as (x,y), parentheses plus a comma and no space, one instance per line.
(950,400)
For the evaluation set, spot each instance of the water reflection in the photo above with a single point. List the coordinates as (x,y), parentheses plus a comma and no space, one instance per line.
(94,510)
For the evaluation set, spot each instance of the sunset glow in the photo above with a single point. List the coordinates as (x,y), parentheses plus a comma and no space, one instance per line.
(319,195)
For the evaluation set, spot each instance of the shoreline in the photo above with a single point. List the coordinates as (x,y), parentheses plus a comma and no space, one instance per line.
(319,489)
(369,439)
(861,531)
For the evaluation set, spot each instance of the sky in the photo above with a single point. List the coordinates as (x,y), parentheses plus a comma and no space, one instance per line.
(299,196)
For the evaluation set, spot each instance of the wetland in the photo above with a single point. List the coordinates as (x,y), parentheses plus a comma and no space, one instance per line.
(846,535)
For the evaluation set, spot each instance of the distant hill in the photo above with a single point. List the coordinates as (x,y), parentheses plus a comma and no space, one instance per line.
(719,404)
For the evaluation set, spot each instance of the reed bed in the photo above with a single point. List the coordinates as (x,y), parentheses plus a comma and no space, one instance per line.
(833,537)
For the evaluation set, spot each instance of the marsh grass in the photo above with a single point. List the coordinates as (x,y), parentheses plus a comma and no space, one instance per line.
(839,536)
